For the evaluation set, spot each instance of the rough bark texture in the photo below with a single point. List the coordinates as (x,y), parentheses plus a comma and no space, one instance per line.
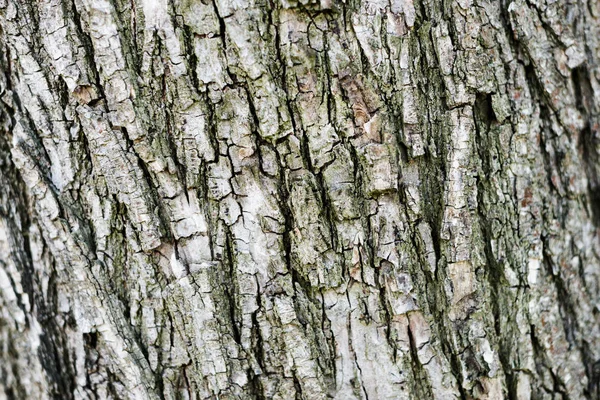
(299,199)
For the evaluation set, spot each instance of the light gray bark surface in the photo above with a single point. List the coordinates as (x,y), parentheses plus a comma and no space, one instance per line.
(299,199)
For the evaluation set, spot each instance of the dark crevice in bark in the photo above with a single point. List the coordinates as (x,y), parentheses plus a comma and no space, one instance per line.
(53,351)
(130,52)
(229,286)
(185,383)
(62,93)
(18,225)
(328,212)
(432,196)
(118,283)
(433,173)
(297,386)
(90,341)
(592,370)
(273,38)
(192,59)
(34,149)
(212,127)
(159,377)
(57,366)
(484,118)
(137,29)
(222,31)
(356,382)
(257,387)
(113,379)
(88,56)
(432,167)
(589,139)
(421,386)
(385,306)
(552,160)
(357,177)
(169,138)
(565,302)
(288,218)
(593,373)
(553,36)
(428,292)
(330,370)
(205,202)
(152,195)
(541,364)
(327,85)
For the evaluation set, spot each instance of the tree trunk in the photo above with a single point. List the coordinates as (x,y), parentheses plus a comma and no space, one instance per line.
(299,199)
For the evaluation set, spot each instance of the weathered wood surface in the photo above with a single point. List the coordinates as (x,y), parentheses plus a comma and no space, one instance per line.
(299,199)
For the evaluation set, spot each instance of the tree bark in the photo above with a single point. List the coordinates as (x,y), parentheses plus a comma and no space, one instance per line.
(299,199)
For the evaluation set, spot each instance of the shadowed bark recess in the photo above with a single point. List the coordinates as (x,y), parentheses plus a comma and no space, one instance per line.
(299,199)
